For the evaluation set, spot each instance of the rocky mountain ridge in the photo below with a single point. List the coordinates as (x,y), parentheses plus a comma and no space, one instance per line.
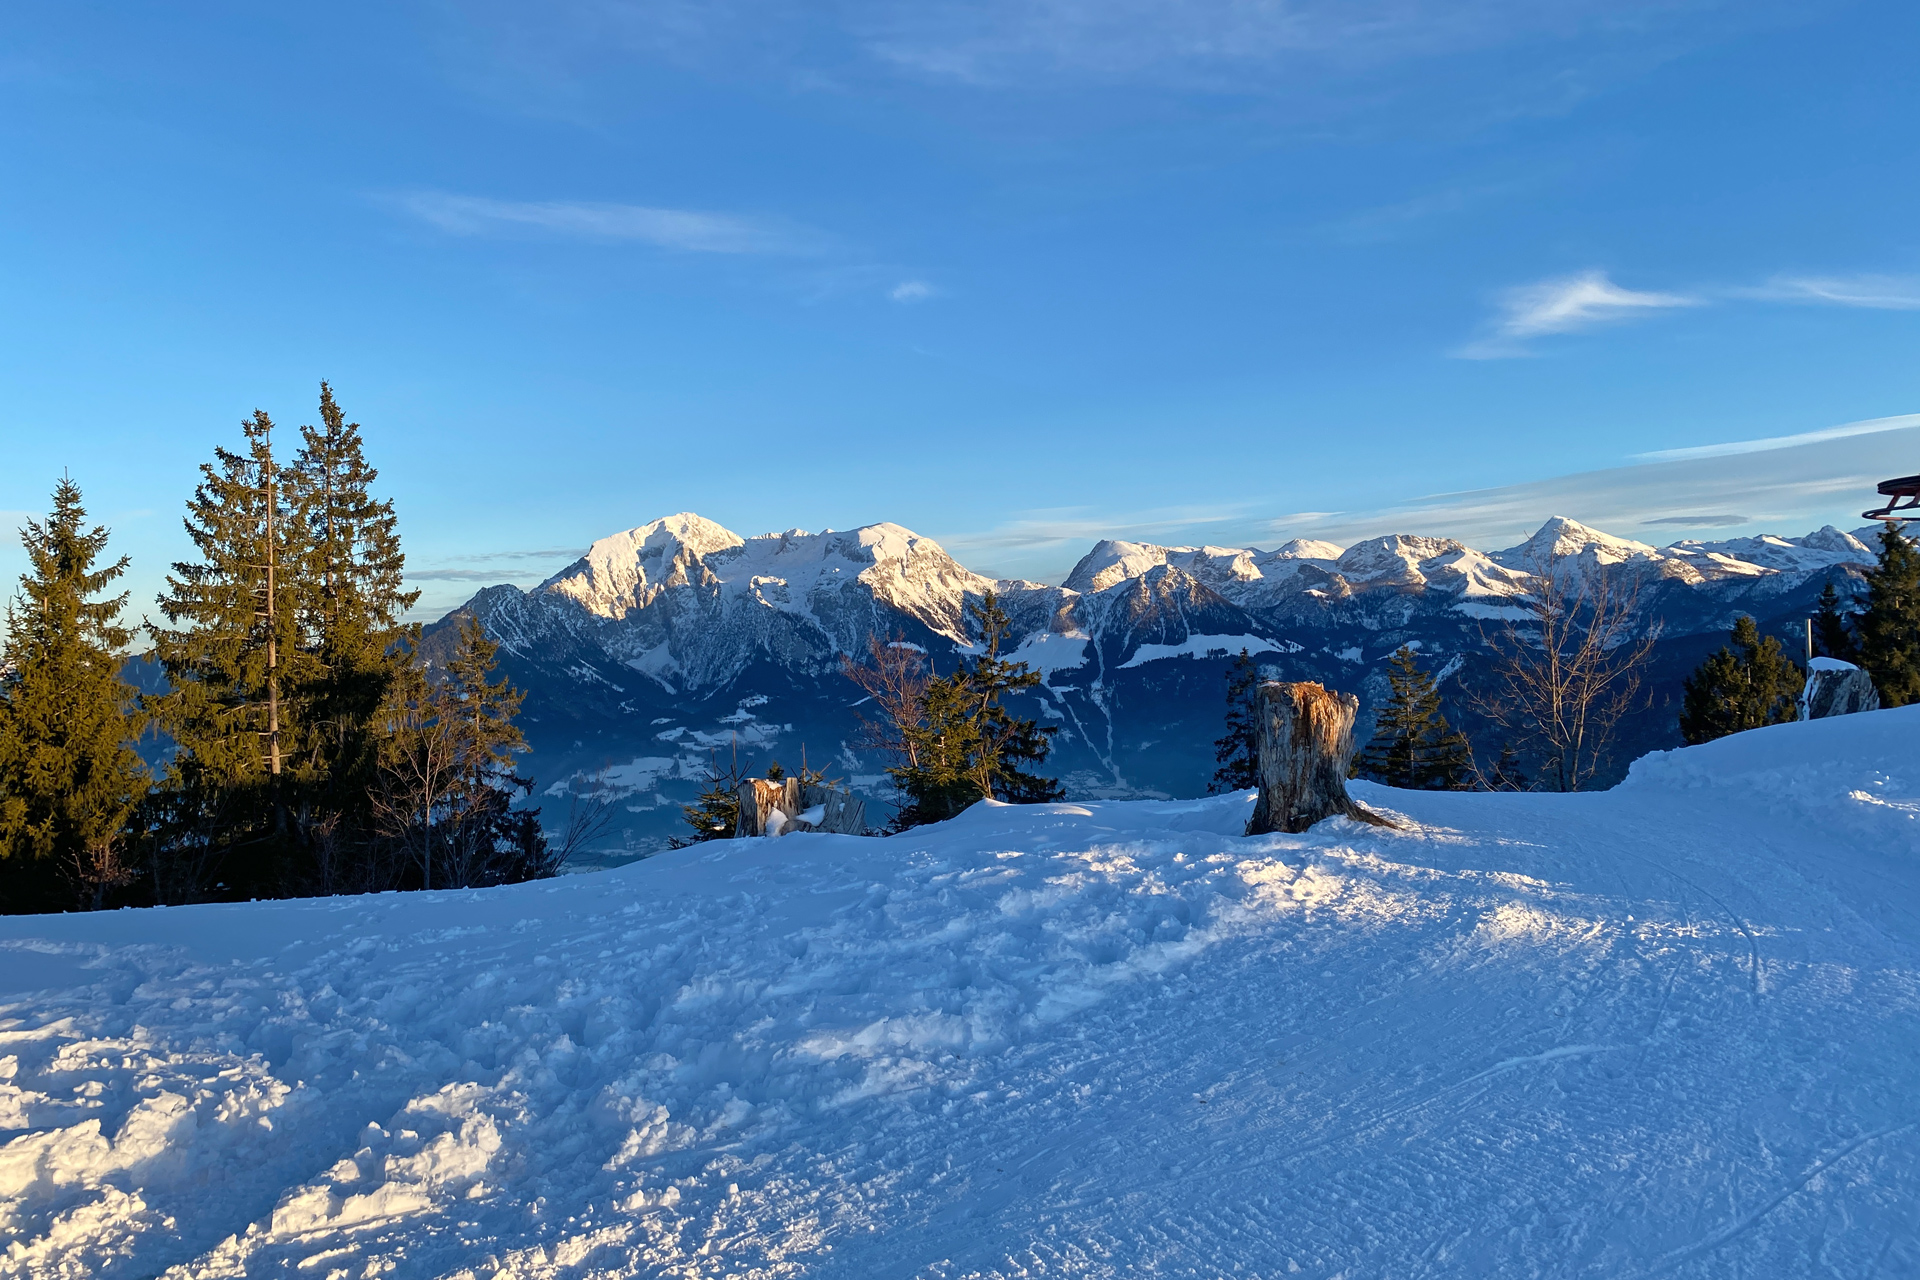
(668,640)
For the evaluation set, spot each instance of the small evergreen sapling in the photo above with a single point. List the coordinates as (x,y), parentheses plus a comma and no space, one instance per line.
(1235,751)
(1746,685)
(717,813)
(1413,746)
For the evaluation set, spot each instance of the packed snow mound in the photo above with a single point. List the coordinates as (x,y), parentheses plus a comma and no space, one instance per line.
(1666,1029)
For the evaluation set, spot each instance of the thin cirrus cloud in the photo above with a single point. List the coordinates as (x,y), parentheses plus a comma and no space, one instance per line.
(911,291)
(1877,292)
(687,230)
(1564,304)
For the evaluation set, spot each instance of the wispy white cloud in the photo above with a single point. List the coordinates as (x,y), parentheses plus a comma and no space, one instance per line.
(1563,305)
(1879,292)
(1305,52)
(1791,486)
(689,230)
(1870,426)
(1216,42)
(1706,520)
(911,291)
(1045,544)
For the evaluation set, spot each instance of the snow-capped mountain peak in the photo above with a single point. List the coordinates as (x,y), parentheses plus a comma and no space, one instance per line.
(620,572)
(1563,539)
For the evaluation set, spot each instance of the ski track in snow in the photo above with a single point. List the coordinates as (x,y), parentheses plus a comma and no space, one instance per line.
(1664,1030)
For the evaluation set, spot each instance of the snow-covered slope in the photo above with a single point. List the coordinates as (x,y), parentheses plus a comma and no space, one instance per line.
(1663,1030)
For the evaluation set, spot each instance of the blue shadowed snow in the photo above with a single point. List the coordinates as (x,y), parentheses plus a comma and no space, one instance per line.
(1667,1029)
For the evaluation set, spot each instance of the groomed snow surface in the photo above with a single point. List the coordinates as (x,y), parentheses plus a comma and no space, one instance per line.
(1672,1029)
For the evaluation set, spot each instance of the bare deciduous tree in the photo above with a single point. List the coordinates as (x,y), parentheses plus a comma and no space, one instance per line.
(1563,678)
(896,679)
(589,813)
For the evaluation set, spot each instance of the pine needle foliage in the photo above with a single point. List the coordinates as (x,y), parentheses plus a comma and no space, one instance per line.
(232,655)
(1747,684)
(1890,625)
(351,600)
(1237,750)
(953,740)
(69,778)
(1832,636)
(1413,746)
(716,815)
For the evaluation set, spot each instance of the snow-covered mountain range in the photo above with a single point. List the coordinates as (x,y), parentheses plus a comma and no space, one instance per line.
(668,640)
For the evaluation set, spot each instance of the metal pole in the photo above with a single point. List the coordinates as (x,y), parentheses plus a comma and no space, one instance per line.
(1809,639)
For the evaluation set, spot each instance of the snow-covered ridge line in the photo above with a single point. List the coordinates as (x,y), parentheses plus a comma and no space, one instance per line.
(685,603)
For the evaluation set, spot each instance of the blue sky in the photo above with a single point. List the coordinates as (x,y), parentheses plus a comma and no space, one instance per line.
(1013,275)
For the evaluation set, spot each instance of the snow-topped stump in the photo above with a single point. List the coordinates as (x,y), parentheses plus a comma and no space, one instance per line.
(1305,745)
(777,808)
(1836,688)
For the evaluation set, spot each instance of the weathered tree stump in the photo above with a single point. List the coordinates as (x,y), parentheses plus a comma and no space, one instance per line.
(769,808)
(1305,737)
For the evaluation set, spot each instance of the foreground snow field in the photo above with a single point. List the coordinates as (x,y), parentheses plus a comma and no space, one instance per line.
(1669,1029)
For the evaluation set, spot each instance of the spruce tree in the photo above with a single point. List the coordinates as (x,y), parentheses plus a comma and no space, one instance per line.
(69,777)
(1413,746)
(1889,628)
(1236,751)
(232,658)
(1007,744)
(350,599)
(1746,685)
(959,744)
(1832,638)
(717,813)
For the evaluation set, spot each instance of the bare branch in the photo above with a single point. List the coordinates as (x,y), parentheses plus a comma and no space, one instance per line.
(896,679)
(1564,679)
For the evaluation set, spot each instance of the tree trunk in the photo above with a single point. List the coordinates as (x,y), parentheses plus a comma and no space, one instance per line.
(814,808)
(760,800)
(1305,737)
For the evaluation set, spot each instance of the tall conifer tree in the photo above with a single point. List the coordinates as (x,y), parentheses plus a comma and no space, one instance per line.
(232,658)
(1413,746)
(351,600)
(1890,625)
(69,777)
